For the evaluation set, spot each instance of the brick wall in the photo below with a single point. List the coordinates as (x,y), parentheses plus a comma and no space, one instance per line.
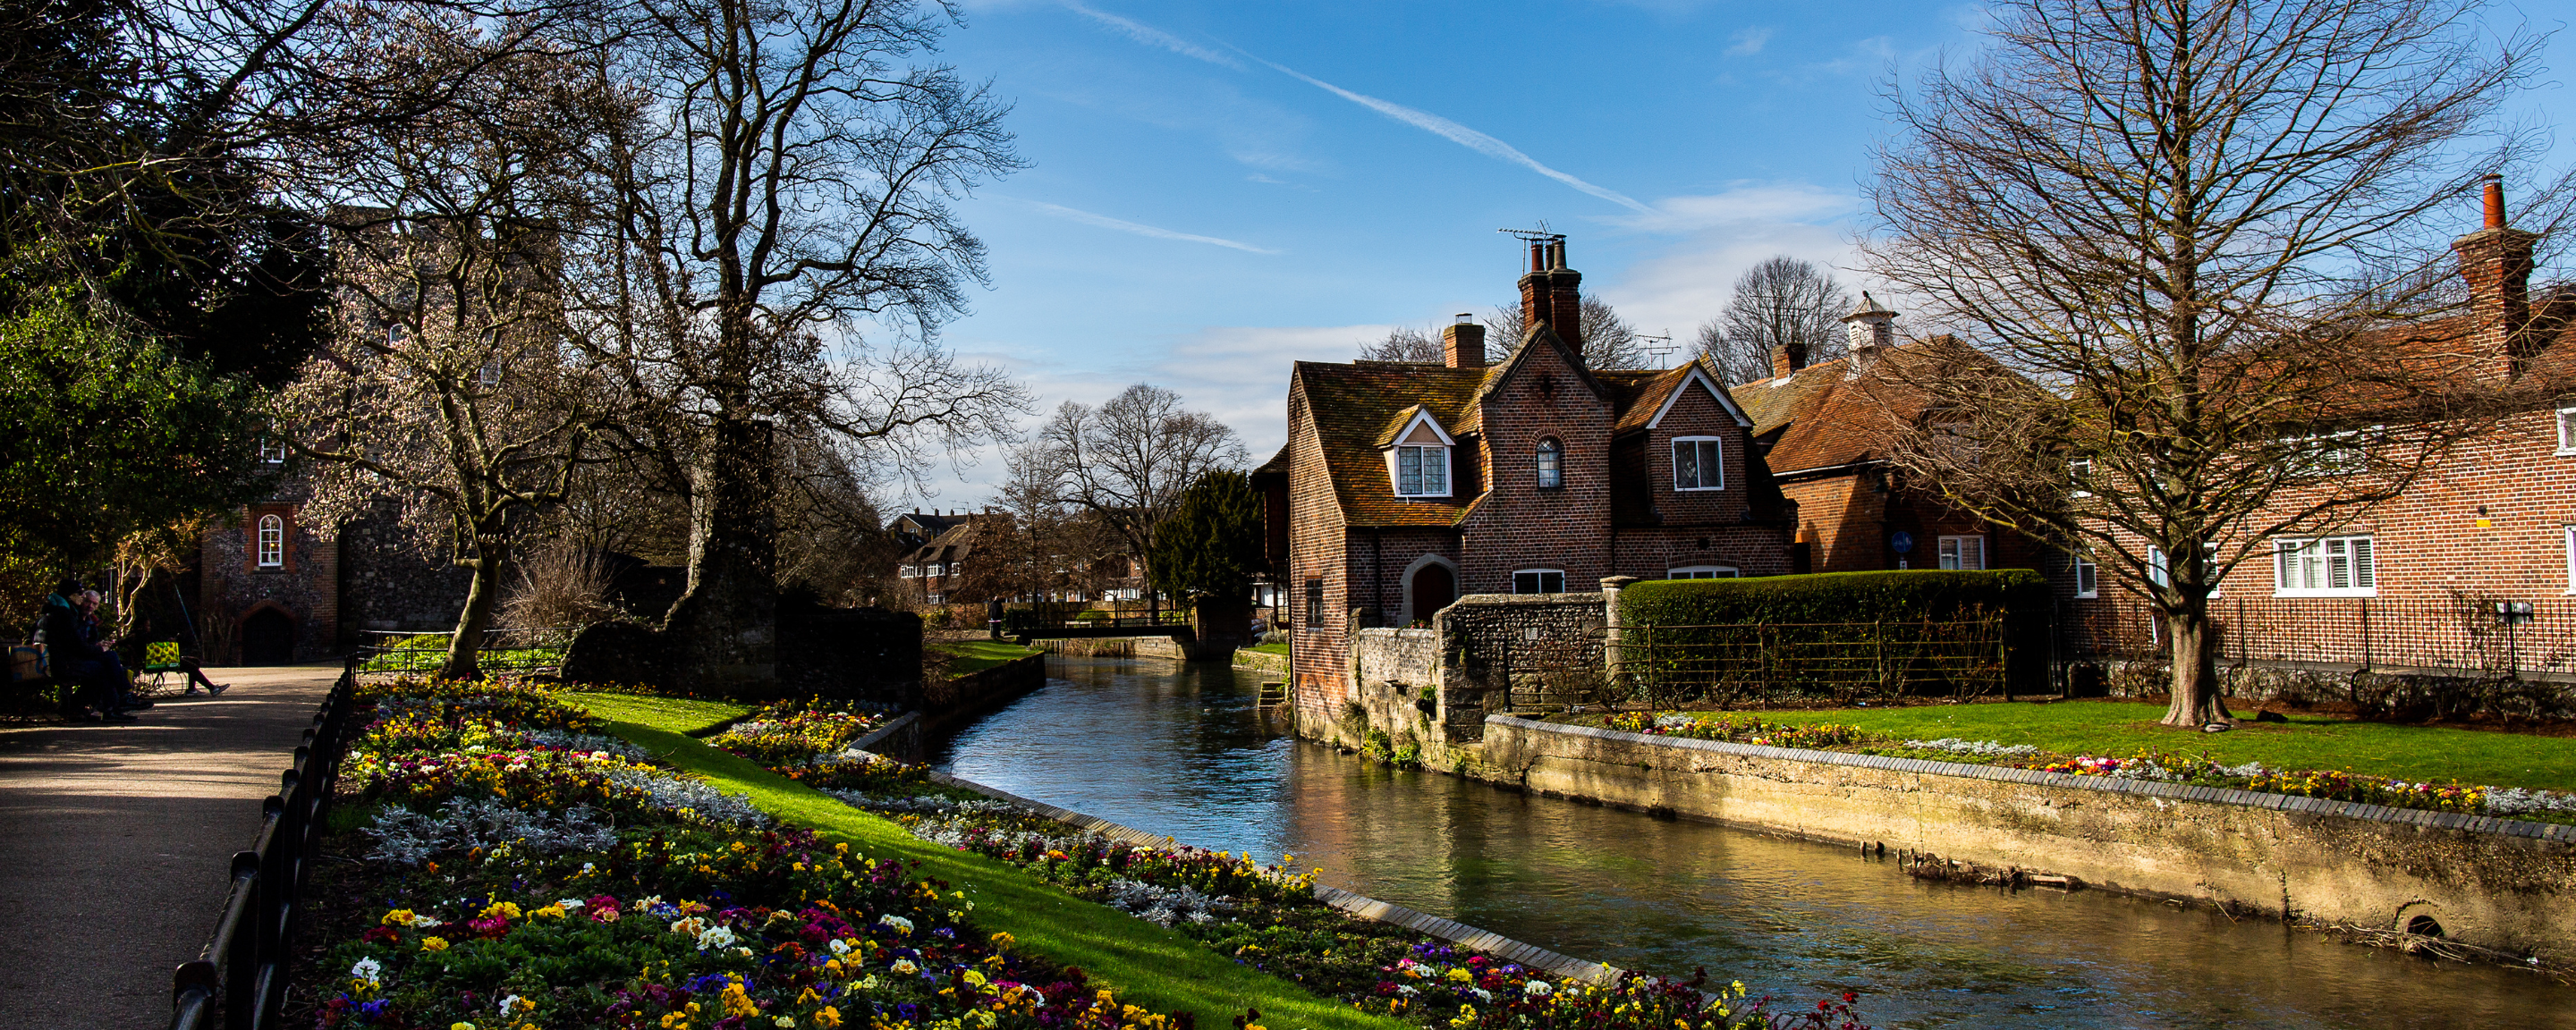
(1318,635)
(304,588)
(1518,526)
(392,581)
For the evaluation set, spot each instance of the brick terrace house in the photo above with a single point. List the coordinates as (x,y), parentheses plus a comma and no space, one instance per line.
(1406,484)
(1822,429)
(938,545)
(2414,582)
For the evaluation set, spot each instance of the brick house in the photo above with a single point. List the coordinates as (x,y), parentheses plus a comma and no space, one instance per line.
(1822,429)
(2473,567)
(275,585)
(1405,485)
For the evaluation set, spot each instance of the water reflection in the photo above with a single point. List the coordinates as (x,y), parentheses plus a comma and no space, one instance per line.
(1181,750)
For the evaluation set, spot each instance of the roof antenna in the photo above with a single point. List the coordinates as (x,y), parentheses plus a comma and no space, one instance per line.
(1663,349)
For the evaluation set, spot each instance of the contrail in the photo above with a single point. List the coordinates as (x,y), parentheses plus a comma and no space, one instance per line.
(1151,36)
(1463,136)
(1106,222)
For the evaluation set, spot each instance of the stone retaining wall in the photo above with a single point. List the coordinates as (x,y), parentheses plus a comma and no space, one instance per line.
(2496,883)
(964,697)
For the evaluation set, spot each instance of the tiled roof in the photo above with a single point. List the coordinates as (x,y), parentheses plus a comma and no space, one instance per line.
(1826,417)
(1352,406)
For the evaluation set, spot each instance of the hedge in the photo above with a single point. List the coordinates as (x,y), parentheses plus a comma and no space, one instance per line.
(1833,597)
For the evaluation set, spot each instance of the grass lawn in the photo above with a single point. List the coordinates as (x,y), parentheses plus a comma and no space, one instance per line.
(676,714)
(1147,964)
(967,656)
(2112,727)
(1279,648)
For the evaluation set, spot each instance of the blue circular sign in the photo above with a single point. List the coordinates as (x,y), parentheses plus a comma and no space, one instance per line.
(1901,540)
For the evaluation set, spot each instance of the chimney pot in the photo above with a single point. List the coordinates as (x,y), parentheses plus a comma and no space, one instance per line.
(2495,200)
(2496,262)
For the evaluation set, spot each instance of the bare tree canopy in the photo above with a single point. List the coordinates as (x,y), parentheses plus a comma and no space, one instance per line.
(1608,340)
(785,252)
(2207,235)
(1128,461)
(1782,302)
(1405,343)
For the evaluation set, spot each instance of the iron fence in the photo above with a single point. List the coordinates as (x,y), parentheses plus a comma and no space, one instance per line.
(239,981)
(2465,635)
(503,650)
(1846,661)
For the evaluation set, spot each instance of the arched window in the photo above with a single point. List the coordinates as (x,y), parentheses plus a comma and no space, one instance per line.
(272,542)
(1551,465)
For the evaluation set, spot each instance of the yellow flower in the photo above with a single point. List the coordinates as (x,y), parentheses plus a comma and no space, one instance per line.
(504,909)
(829,1017)
(548,912)
(433,944)
(399,917)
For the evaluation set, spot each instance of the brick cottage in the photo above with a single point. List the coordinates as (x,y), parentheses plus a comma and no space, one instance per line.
(1405,485)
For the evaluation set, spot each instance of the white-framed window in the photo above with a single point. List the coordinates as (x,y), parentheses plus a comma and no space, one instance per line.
(2158,570)
(937,598)
(1421,471)
(1538,581)
(2328,454)
(1701,572)
(2326,566)
(1699,463)
(1551,464)
(272,451)
(2079,474)
(2567,430)
(2571,559)
(2088,576)
(272,542)
(1963,552)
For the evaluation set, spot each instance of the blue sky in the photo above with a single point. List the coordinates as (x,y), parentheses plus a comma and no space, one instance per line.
(1219,189)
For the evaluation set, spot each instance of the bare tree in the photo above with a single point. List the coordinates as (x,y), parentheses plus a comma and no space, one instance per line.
(1608,340)
(2205,236)
(443,384)
(1127,462)
(784,196)
(1405,343)
(1782,302)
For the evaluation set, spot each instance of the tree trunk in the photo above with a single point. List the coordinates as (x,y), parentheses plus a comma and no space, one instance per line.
(2195,671)
(465,649)
(724,627)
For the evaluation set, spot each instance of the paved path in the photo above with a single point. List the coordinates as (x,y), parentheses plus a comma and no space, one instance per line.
(116,843)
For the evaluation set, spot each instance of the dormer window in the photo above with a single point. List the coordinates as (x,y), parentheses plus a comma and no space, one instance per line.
(1699,463)
(1417,457)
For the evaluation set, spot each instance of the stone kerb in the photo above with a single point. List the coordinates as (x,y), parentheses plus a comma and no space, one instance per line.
(2498,883)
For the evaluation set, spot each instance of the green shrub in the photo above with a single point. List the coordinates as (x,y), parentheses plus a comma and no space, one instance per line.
(1832,597)
(1843,634)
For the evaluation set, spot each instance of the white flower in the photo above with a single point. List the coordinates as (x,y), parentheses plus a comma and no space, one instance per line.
(508,1003)
(904,967)
(839,946)
(1407,990)
(1539,987)
(715,937)
(785,1021)
(569,904)
(1481,993)
(368,970)
(425,922)
(898,924)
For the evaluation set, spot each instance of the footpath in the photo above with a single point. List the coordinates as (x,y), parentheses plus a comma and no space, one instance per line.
(116,842)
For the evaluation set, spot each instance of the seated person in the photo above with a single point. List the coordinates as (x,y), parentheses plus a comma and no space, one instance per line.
(88,603)
(71,647)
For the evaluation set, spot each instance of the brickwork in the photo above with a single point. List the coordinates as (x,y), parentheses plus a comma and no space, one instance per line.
(1516,525)
(234,587)
(1317,631)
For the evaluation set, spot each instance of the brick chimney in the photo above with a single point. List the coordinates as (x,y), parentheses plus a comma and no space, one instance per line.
(2496,261)
(1536,302)
(1462,344)
(1553,293)
(1787,358)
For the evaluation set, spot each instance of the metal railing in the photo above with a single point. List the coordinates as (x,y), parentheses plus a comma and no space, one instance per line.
(2462,636)
(239,981)
(503,650)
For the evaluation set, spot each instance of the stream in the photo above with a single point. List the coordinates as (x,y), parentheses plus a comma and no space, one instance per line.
(1181,750)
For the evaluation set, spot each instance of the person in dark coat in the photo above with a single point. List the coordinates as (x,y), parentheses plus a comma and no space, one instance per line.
(72,649)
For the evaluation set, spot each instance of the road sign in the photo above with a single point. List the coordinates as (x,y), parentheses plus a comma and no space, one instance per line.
(1902,541)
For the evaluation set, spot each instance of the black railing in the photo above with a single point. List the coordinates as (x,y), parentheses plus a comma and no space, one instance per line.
(1024,623)
(239,981)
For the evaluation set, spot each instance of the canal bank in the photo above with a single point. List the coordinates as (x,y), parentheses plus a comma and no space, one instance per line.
(1185,751)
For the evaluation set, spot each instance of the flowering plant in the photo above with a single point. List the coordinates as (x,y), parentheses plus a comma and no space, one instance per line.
(796,732)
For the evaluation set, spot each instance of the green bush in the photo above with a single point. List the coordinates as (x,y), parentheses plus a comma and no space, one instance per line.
(1832,597)
(1840,634)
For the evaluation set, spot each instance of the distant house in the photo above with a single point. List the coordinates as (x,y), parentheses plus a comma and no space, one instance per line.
(1405,485)
(933,561)
(1823,429)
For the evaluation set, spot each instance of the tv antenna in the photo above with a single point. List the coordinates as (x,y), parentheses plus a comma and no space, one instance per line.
(1662,348)
(1537,235)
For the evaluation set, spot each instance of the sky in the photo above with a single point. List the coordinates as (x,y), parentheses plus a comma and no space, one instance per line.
(1217,190)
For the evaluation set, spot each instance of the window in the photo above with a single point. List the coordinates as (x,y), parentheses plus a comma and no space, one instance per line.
(2567,430)
(2332,566)
(936,598)
(1698,464)
(272,452)
(272,542)
(1538,581)
(2088,577)
(907,571)
(2571,559)
(1701,572)
(2156,567)
(1551,465)
(1314,605)
(2079,474)
(1963,552)
(1422,471)
(2328,454)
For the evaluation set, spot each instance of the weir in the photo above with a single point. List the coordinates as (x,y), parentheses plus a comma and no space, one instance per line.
(1184,750)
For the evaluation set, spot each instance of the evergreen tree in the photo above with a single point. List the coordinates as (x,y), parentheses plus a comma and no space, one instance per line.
(1211,544)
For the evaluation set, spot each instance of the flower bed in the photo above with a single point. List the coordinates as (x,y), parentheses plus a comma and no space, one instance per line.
(2509,803)
(520,872)
(797,731)
(1267,917)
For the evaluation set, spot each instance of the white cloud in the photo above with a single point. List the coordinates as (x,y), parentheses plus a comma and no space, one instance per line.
(1461,135)
(1740,204)
(1748,42)
(1151,36)
(1106,222)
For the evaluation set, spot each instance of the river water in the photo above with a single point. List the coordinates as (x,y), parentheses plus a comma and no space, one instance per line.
(1181,750)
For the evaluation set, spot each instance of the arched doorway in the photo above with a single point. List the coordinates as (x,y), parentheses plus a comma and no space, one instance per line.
(268,638)
(1433,588)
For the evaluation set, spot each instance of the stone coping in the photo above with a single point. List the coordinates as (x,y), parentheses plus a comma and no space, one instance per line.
(897,725)
(2103,784)
(1365,907)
